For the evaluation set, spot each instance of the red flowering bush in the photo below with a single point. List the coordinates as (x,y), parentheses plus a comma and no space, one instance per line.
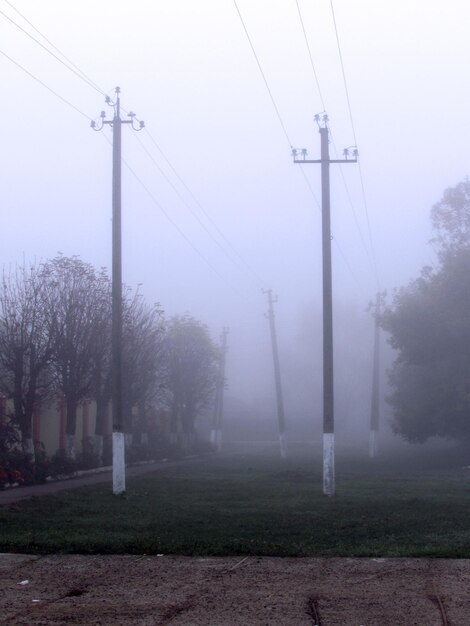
(10,477)
(16,477)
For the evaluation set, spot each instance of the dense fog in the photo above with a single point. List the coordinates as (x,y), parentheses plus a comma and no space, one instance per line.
(214,210)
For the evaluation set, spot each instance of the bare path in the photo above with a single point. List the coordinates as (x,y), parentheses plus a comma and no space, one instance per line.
(157,590)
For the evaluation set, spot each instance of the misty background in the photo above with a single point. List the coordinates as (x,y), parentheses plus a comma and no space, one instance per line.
(188,70)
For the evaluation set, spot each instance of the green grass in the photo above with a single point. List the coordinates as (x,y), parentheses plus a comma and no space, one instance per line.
(410,506)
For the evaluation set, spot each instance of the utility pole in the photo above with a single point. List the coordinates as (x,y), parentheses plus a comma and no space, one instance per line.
(277,375)
(119,465)
(374,405)
(328,388)
(216,432)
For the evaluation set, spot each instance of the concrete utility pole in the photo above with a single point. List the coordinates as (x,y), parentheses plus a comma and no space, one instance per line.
(277,375)
(328,389)
(216,432)
(119,466)
(374,405)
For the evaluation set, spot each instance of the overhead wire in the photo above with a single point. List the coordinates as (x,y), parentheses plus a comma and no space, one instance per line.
(175,225)
(348,100)
(70,104)
(198,203)
(322,100)
(70,66)
(38,80)
(310,55)
(284,127)
(262,73)
(89,81)
(228,249)
(82,76)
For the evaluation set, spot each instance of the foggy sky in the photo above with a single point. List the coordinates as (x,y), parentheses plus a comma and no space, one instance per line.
(186,68)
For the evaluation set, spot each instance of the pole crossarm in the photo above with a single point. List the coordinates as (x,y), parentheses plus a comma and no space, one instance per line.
(116,105)
(302,161)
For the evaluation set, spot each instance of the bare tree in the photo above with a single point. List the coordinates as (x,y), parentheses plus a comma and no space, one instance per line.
(100,389)
(77,297)
(25,345)
(143,363)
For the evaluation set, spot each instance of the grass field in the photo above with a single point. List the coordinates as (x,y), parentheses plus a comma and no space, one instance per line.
(417,504)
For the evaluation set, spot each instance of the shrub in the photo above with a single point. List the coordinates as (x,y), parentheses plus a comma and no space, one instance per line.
(62,465)
(9,438)
(18,461)
(87,459)
(136,452)
(42,465)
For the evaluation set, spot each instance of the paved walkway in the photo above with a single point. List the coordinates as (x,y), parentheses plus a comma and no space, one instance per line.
(103,475)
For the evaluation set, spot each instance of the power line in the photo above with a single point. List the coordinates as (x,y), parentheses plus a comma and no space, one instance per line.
(310,55)
(343,72)
(281,121)
(262,74)
(201,207)
(175,225)
(187,205)
(91,83)
(69,65)
(368,226)
(57,95)
(355,141)
(368,254)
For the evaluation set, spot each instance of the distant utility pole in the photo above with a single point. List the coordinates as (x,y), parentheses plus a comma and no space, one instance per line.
(328,389)
(119,466)
(277,375)
(216,432)
(374,405)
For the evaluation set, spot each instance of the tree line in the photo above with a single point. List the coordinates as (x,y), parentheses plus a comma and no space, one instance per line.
(429,325)
(55,341)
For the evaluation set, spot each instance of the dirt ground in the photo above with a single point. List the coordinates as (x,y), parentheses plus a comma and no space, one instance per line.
(151,590)
(157,590)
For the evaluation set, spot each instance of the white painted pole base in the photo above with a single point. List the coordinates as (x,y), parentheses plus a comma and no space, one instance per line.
(213,437)
(283,445)
(28,448)
(329,464)
(373,444)
(119,465)
(70,446)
